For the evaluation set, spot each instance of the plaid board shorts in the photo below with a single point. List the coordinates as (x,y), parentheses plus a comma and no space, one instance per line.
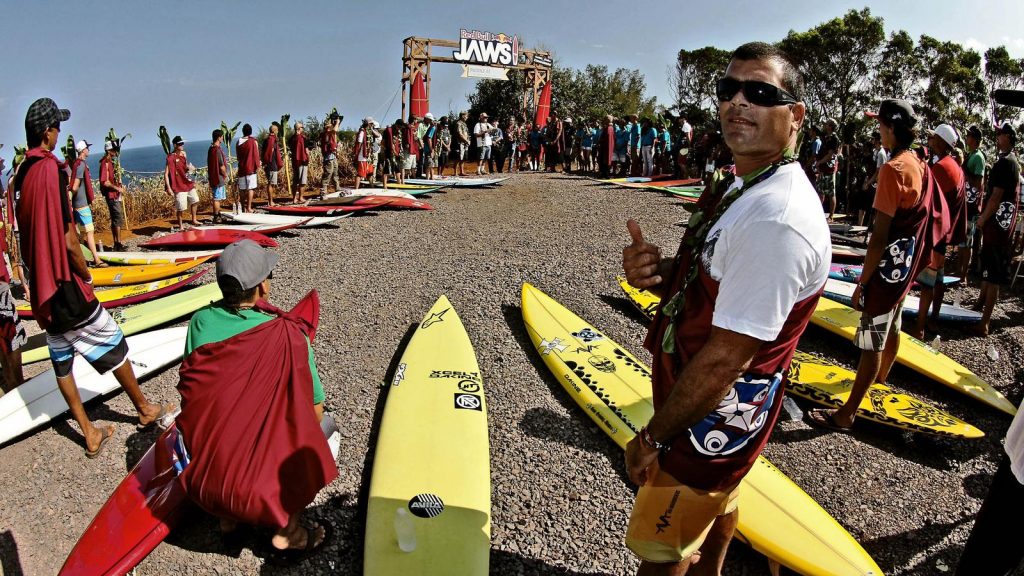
(98,339)
(670,521)
(873,332)
(12,331)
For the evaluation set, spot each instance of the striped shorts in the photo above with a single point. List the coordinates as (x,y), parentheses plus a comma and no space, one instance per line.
(98,339)
(12,331)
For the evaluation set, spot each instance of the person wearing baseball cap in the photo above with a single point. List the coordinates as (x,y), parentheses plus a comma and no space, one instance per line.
(975,166)
(247,382)
(428,145)
(177,183)
(998,216)
(951,183)
(482,131)
(62,299)
(82,196)
(826,166)
(364,151)
(898,233)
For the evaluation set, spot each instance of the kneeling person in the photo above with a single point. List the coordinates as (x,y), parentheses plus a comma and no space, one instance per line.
(247,383)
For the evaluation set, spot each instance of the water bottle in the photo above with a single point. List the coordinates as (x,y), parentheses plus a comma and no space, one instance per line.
(405,530)
(937,342)
(100,246)
(956,300)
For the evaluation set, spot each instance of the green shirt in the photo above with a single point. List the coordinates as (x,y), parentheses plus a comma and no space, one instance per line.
(215,323)
(975,163)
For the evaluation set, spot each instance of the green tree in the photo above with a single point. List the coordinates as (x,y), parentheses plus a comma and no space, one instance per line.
(1003,72)
(899,73)
(838,59)
(693,78)
(955,92)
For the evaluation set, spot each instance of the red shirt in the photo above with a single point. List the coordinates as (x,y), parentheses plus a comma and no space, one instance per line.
(300,157)
(177,166)
(248,156)
(329,143)
(949,177)
(272,153)
(108,173)
(410,139)
(214,162)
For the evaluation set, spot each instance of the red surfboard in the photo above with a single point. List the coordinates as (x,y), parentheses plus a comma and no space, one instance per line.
(316,210)
(140,513)
(394,202)
(217,238)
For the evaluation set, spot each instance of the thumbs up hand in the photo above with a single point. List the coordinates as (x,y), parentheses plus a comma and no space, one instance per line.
(641,260)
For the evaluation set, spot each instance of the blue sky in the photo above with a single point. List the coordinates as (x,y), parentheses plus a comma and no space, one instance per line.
(136,65)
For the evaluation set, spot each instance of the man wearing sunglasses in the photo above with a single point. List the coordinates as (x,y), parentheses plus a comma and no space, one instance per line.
(736,298)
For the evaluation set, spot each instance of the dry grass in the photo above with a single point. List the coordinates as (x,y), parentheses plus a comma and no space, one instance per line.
(146,199)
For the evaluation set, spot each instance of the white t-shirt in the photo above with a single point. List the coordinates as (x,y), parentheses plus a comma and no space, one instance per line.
(482,131)
(360,137)
(770,250)
(881,157)
(1015,444)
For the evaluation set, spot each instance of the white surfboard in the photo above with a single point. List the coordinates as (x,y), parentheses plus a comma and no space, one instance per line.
(347,192)
(38,401)
(843,292)
(272,219)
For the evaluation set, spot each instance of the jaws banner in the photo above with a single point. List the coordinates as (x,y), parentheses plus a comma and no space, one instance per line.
(477,47)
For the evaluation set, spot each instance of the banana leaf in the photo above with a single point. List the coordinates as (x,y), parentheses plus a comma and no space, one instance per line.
(69,150)
(165,140)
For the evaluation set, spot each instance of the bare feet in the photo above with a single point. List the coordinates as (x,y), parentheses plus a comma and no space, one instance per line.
(299,538)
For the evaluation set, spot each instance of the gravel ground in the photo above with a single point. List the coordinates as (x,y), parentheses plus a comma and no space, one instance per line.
(560,497)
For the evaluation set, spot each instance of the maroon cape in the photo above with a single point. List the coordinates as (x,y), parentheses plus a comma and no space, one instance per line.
(42,233)
(257,452)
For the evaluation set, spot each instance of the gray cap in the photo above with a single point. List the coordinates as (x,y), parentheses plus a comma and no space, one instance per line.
(44,113)
(247,262)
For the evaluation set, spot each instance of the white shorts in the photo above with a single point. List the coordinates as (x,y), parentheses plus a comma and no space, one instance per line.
(247,182)
(272,178)
(182,200)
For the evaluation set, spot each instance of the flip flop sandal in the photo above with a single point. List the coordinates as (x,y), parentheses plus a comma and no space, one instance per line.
(825,418)
(165,409)
(291,556)
(94,454)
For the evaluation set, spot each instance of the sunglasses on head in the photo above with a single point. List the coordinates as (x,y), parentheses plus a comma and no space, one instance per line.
(756,92)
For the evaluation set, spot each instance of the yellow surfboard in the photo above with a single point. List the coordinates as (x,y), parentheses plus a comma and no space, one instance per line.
(842,320)
(432,459)
(820,381)
(122,275)
(776,518)
(124,295)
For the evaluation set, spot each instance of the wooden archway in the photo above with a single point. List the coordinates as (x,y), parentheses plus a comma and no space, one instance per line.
(417,57)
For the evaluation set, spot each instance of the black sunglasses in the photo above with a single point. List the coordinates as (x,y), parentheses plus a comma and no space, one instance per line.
(756,92)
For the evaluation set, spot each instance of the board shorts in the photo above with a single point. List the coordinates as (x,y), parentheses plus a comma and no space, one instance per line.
(183,200)
(98,339)
(485,153)
(364,168)
(220,193)
(620,158)
(873,332)
(994,263)
(303,172)
(247,182)
(972,228)
(408,161)
(670,520)
(460,151)
(271,176)
(83,217)
(932,277)
(827,184)
(12,331)
(116,210)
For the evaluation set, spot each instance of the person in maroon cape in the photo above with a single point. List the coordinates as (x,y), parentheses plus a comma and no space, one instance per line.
(248,152)
(300,161)
(177,183)
(62,299)
(251,405)
(721,350)
(897,251)
(217,169)
(272,161)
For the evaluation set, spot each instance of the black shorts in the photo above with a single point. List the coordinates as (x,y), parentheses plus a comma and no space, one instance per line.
(995,262)
(116,210)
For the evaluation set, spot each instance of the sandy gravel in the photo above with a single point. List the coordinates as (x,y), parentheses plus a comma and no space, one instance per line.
(560,497)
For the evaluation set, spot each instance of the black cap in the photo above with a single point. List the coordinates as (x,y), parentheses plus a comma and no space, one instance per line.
(895,112)
(973,130)
(44,113)
(1007,129)
(178,140)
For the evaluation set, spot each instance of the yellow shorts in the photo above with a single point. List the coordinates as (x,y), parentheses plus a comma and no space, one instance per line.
(670,520)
